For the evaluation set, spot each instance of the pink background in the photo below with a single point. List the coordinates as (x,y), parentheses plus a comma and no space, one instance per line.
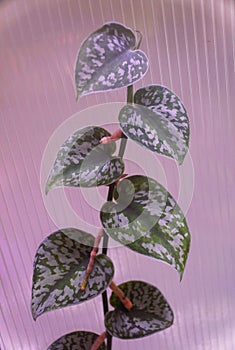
(190,45)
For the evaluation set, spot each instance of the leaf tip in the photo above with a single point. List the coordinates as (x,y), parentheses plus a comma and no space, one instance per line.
(34,315)
(181,272)
(50,184)
(47,189)
(77,96)
(180,160)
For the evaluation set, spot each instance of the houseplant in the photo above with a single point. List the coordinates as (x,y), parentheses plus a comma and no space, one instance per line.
(139,213)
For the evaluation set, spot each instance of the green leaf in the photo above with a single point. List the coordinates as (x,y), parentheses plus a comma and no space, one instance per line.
(158,121)
(150,313)
(108,60)
(59,268)
(147,219)
(81,340)
(83,161)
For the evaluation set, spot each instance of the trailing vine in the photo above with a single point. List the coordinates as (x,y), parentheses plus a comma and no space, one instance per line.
(139,212)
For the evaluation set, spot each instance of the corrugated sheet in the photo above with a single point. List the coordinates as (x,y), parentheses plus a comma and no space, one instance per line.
(190,44)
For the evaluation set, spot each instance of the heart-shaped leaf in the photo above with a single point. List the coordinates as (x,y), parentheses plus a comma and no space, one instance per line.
(59,268)
(158,121)
(150,313)
(81,340)
(108,60)
(83,161)
(147,219)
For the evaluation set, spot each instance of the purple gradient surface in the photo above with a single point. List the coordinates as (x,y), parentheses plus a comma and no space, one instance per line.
(190,45)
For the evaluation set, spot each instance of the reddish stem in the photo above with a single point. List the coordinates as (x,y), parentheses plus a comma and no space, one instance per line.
(99,341)
(92,259)
(119,293)
(114,137)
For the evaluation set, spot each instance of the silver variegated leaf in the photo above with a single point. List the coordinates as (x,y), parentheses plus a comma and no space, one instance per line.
(147,219)
(81,340)
(108,60)
(158,121)
(83,161)
(150,313)
(59,267)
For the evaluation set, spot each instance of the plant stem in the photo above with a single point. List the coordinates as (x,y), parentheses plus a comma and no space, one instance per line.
(104,251)
(130,94)
(99,341)
(92,259)
(122,297)
(110,198)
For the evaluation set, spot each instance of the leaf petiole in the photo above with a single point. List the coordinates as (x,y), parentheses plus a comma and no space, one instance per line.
(92,259)
(123,298)
(99,341)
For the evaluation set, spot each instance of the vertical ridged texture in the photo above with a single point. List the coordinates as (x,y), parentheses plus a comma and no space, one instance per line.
(191,47)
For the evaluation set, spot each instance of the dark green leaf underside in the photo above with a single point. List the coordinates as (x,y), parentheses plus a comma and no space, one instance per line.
(108,60)
(83,161)
(147,219)
(81,340)
(59,267)
(150,313)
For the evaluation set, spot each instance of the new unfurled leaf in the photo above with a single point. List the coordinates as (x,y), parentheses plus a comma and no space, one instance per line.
(150,313)
(81,340)
(59,268)
(83,161)
(108,60)
(147,219)
(158,121)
